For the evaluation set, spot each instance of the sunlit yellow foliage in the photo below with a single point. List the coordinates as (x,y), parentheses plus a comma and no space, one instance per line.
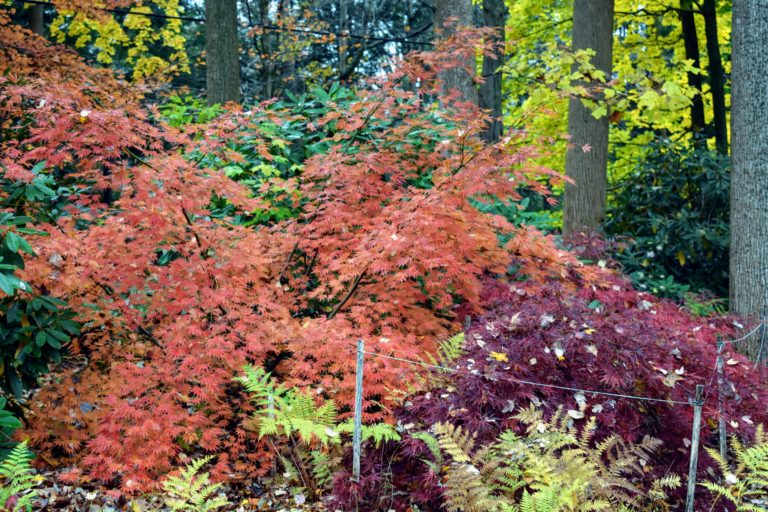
(135,41)
(648,95)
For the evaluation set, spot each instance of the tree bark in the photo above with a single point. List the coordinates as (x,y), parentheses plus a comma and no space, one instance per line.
(456,79)
(222,51)
(587,157)
(716,76)
(691,43)
(37,19)
(490,97)
(749,175)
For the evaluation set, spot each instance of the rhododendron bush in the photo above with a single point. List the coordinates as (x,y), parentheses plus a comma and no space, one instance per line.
(173,300)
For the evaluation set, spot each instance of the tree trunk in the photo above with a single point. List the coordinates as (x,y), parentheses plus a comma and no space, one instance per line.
(490,98)
(37,19)
(456,79)
(716,75)
(222,51)
(691,43)
(749,175)
(587,157)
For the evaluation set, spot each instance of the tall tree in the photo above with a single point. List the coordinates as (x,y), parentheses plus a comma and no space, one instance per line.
(451,15)
(749,179)
(716,76)
(222,51)
(490,98)
(36,15)
(587,157)
(691,43)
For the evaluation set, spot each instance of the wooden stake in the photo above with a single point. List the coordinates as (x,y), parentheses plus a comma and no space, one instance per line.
(698,403)
(357,432)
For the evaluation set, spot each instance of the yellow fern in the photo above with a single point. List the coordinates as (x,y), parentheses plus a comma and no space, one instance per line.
(553,467)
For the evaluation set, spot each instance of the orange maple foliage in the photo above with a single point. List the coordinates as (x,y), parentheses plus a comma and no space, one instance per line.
(151,376)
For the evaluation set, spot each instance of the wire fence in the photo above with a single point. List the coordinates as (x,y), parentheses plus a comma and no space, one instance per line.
(696,402)
(537,384)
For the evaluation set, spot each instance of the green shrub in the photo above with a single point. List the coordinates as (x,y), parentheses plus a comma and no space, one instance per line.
(180,111)
(34,327)
(8,425)
(670,216)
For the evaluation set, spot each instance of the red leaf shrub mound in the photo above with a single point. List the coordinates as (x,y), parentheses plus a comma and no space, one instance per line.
(614,340)
(564,333)
(607,338)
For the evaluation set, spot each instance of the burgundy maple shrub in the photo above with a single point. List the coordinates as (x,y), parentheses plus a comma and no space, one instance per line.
(564,332)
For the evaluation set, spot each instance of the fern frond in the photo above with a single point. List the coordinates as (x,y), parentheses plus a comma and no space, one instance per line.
(455,442)
(451,349)
(18,478)
(192,491)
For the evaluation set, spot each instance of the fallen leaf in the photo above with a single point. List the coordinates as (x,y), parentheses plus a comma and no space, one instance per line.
(499,356)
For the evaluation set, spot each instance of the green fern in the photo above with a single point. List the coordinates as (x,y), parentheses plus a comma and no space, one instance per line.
(18,479)
(451,349)
(286,412)
(322,468)
(434,448)
(305,432)
(746,484)
(192,491)
(378,433)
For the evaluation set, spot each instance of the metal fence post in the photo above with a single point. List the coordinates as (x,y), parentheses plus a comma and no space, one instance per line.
(722,426)
(357,432)
(698,403)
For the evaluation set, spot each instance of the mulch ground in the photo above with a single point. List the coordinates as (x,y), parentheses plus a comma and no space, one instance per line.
(53,495)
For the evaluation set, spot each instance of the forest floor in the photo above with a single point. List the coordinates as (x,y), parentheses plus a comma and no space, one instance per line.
(53,495)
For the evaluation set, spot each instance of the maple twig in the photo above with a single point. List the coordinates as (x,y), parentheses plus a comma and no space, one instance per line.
(311,263)
(287,263)
(142,330)
(191,227)
(151,337)
(349,294)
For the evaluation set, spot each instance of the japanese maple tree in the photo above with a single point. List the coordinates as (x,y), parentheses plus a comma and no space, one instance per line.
(174,300)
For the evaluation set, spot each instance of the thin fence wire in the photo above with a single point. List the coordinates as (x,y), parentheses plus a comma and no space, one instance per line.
(746,336)
(539,384)
(568,388)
